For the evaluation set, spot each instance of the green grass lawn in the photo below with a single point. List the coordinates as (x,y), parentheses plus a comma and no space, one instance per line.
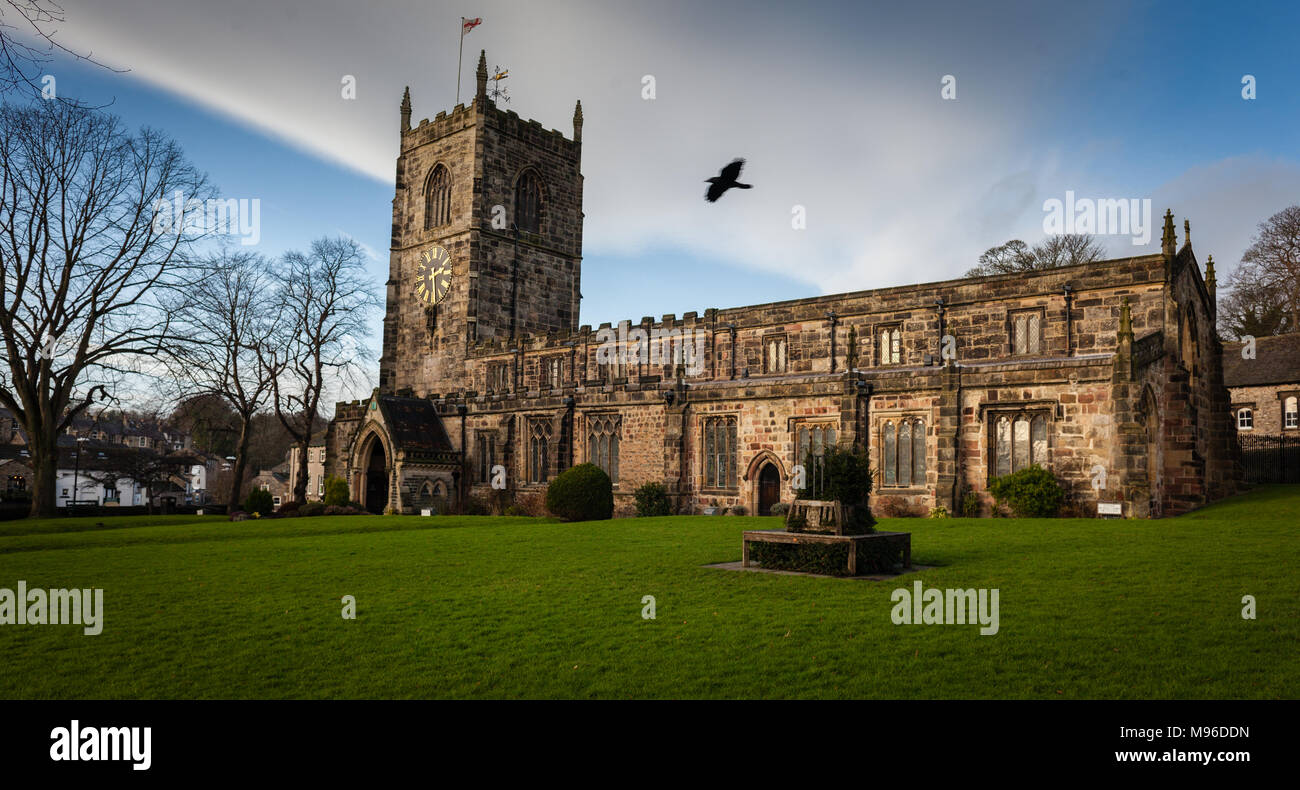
(514,607)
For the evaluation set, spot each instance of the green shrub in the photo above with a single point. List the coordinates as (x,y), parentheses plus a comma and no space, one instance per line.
(582,493)
(336,491)
(779,509)
(652,500)
(312,509)
(970,505)
(844,475)
(477,506)
(1030,493)
(259,502)
(939,512)
(738,510)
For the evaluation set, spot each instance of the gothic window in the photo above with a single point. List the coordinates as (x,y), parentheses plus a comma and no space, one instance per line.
(1245,419)
(613,369)
(487,456)
(902,450)
(1018,441)
(890,346)
(551,369)
(528,203)
(813,441)
(602,443)
(437,198)
(1026,333)
(774,356)
(720,452)
(539,445)
(499,377)
(1290,414)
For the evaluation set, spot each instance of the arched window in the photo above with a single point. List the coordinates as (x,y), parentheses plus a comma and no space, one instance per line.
(1245,419)
(890,447)
(437,198)
(902,446)
(539,445)
(528,203)
(1290,414)
(602,443)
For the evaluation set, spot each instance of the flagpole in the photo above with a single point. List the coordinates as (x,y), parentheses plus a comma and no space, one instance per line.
(460,56)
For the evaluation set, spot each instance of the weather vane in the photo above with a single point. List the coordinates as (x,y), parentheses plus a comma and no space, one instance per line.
(497,93)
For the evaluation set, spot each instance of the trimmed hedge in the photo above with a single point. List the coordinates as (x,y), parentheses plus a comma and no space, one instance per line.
(582,493)
(829,559)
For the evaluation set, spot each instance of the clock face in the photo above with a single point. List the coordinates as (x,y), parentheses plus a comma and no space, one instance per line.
(433,277)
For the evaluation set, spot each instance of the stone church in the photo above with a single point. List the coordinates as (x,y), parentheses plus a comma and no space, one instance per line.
(1108,374)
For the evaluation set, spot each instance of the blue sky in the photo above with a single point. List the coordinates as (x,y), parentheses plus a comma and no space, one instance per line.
(836,106)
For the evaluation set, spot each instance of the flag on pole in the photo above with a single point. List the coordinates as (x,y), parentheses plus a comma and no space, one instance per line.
(470,24)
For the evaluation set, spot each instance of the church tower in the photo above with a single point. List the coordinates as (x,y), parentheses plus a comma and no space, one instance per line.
(487,239)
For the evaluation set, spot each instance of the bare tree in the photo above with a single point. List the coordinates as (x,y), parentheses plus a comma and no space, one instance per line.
(1053,252)
(82,264)
(1270,268)
(228,316)
(325,303)
(1249,309)
(27,30)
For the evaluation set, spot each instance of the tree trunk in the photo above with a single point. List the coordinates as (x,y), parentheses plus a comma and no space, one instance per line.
(300,484)
(241,463)
(45,469)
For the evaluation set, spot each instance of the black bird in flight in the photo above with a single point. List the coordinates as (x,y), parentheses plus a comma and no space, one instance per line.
(726,179)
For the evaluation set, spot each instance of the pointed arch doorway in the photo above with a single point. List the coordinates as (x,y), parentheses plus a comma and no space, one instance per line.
(376,500)
(769,489)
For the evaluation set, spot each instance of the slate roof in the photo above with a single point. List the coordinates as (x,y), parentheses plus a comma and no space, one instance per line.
(414,425)
(1277,361)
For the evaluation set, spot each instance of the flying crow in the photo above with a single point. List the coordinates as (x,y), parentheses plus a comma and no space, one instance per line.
(726,179)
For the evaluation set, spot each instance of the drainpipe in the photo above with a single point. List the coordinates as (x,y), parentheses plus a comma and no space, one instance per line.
(831,316)
(1069,338)
(732,328)
(461,488)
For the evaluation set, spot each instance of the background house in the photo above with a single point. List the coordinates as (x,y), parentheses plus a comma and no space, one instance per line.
(1265,390)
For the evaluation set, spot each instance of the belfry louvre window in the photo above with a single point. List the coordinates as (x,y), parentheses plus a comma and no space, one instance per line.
(551,369)
(487,456)
(602,443)
(539,447)
(774,354)
(437,198)
(499,377)
(890,344)
(720,452)
(528,203)
(1018,441)
(902,452)
(1026,333)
